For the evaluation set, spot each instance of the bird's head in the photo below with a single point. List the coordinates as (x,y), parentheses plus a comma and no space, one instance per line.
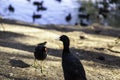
(43,44)
(44,49)
(41,47)
(65,40)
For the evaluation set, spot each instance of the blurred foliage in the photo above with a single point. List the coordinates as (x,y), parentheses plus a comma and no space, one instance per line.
(113,19)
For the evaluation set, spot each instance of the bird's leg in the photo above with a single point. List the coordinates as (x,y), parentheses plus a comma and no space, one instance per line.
(35,63)
(43,71)
(41,67)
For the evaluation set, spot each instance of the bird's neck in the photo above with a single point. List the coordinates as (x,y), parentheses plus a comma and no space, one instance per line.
(66,49)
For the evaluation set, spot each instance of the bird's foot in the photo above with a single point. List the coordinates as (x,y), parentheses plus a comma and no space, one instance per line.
(34,66)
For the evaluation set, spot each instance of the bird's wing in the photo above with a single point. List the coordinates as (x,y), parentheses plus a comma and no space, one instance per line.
(74,66)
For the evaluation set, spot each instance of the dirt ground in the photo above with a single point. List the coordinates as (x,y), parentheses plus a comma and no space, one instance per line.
(89,44)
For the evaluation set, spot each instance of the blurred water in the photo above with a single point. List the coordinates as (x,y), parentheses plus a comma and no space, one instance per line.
(55,13)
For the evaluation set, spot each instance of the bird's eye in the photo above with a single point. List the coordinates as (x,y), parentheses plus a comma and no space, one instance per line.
(45,49)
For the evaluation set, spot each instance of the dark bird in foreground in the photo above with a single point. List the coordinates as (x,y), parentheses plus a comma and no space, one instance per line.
(72,67)
(40,53)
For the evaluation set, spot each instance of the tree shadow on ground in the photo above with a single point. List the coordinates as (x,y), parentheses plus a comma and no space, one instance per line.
(90,56)
(99,30)
(7,40)
(86,55)
(8,35)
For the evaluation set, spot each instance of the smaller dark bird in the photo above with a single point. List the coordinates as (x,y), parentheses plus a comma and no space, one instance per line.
(36,16)
(11,8)
(40,53)
(68,17)
(72,67)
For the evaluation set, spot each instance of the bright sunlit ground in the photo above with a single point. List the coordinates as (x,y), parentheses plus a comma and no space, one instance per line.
(17,43)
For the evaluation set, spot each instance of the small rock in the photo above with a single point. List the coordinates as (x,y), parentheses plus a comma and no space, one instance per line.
(82,37)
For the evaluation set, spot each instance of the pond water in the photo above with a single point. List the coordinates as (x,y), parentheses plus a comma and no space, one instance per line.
(62,12)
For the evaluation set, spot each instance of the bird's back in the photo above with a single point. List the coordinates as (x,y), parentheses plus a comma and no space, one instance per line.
(72,67)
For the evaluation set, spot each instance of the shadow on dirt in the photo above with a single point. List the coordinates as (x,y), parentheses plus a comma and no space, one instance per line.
(12,78)
(91,56)
(18,63)
(7,39)
(86,55)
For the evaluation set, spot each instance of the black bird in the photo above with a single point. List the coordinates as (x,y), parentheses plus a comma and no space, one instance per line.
(82,23)
(81,9)
(38,3)
(85,16)
(59,0)
(36,16)
(41,8)
(72,67)
(40,53)
(68,17)
(28,0)
(76,23)
(11,8)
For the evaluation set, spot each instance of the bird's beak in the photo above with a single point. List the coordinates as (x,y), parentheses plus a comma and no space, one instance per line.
(57,38)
